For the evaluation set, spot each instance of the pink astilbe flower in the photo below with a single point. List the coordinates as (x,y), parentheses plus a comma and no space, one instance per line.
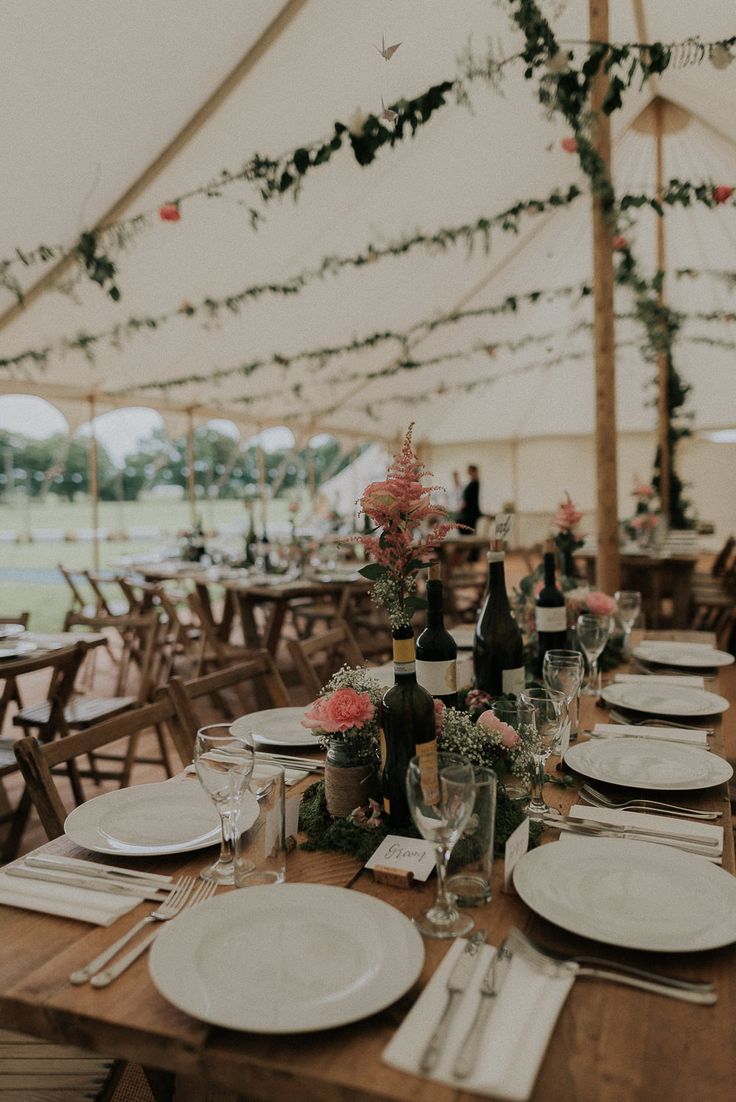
(567,517)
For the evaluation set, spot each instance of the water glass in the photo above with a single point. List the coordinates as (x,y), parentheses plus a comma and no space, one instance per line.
(593,632)
(260,830)
(563,671)
(441,811)
(471,862)
(629,606)
(543,736)
(224,763)
(508,712)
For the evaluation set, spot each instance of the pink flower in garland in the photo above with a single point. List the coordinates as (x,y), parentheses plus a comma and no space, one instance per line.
(619,242)
(722,193)
(570,145)
(343,710)
(398,505)
(169,212)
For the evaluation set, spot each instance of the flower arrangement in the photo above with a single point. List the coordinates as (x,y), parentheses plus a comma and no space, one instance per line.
(397,506)
(486,741)
(567,538)
(641,527)
(592,601)
(346,714)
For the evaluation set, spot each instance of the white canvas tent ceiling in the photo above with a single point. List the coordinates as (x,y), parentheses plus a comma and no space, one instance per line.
(93,90)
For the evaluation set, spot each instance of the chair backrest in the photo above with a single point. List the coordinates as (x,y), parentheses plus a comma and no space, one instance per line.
(184,695)
(22,619)
(75,579)
(337,646)
(141,636)
(205,621)
(63,666)
(37,759)
(722,559)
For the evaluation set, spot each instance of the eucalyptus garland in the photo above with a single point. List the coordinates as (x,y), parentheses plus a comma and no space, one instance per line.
(566,90)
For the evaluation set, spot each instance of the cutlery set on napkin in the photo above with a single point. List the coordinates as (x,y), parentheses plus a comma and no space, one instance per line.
(604,822)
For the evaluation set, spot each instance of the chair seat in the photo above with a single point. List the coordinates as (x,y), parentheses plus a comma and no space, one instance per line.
(79,713)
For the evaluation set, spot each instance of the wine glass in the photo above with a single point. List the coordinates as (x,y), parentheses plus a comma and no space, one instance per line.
(629,606)
(542,731)
(223,763)
(593,632)
(563,670)
(441,806)
(508,712)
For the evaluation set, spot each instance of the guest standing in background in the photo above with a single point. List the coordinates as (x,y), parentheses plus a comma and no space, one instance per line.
(470,501)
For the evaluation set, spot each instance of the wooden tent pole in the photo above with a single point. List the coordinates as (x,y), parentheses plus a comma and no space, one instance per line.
(191,473)
(665,479)
(608,563)
(261,479)
(94,489)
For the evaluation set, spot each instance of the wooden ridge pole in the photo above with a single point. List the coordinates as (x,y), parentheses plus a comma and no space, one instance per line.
(665,480)
(608,563)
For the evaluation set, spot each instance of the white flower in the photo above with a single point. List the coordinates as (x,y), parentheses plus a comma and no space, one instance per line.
(356,122)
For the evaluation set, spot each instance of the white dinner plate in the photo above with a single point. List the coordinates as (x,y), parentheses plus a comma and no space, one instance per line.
(648,763)
(664,700)
(148,819)
(463,637)
(687,655)
(17,650)
(276,727)
(11,631)
(634,894)
(286,959)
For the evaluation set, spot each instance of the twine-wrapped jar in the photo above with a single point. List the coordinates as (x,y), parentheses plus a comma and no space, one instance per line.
(348,784)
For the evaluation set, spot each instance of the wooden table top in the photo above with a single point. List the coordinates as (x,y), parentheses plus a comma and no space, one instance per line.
(610,1044)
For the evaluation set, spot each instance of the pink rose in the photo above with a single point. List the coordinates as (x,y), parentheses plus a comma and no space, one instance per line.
(343,710)
(169,212)
(600,604)
(489,721)
(722,193)
(439,708)
(570,145)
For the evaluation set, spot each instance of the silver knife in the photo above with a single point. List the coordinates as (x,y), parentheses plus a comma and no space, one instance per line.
(129,889)
(594,830)
(456,985)
(630,734)
(490,986)
(590,822)
(95,869)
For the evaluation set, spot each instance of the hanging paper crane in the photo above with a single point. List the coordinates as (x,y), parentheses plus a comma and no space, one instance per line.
(386,52)
(387,113)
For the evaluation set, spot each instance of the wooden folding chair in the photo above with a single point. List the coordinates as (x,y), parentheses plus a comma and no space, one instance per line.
(63,666)
(258,672)
(215,653)
(11,692)
(335,647)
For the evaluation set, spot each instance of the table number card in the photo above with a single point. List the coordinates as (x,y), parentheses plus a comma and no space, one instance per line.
(516,847)
(415,855)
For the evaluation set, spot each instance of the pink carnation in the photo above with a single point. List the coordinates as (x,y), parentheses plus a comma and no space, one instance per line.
(489,721)
(600,604)
(342,710)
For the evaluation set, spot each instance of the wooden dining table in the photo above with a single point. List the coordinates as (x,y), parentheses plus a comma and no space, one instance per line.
(656,577)
(610,1044)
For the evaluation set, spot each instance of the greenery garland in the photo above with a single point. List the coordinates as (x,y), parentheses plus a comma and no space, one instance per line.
(276,176)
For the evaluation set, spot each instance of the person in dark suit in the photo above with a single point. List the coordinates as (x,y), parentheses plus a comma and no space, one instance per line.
(470,502)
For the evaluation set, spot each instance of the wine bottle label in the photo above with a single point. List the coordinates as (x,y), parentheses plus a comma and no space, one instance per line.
(404,667)
(382,742)
(428,778)
(513,681)
(438,678)
(404,650)
(551,619)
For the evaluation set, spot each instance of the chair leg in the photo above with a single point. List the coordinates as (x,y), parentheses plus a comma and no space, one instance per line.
(17,826)
(165,757)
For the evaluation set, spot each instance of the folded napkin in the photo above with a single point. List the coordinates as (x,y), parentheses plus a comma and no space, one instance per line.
(519,1028)
(100,908)
(291,776)
(689,681)
(668,734)
(702,833)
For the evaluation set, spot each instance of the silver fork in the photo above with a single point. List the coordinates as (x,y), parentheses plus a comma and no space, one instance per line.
(653,721)
(167,909)
(599,799)
(552,964)
(102,979)
(490,986)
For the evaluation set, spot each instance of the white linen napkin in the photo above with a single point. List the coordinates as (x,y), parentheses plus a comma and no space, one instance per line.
(668,824)
(100,908)
(686,680)
(291,776)
(521,1022)
(669,734)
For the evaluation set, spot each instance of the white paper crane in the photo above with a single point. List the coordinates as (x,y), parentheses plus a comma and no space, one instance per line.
(387,113)
(386,52)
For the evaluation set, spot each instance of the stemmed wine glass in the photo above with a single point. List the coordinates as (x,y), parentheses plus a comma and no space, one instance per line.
(593,632)
(629,606)
(441,809)
(541,730)
(563,670)
(224,763)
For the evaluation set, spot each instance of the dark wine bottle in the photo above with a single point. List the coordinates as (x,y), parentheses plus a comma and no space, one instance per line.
(407,728)
(251,541)
(550,612)
(436,649)
(498,649)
